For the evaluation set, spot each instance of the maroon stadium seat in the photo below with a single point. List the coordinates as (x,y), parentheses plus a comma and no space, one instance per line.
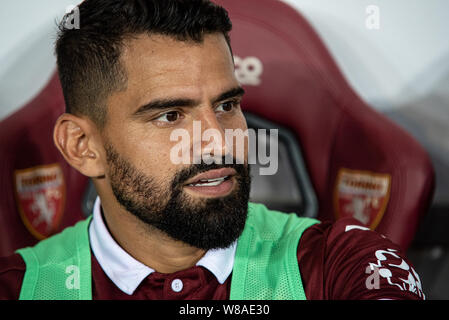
(40,193)
(360,163)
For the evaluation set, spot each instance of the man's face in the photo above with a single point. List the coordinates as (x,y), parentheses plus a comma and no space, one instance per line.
(173,85)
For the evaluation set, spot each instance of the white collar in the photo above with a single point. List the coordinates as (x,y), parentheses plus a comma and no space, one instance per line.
(127,273)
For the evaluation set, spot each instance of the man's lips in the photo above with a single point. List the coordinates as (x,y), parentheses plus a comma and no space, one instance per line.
(211,175)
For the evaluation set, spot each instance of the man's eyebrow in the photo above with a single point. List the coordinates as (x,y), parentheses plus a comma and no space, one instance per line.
(232,93)
(161,104)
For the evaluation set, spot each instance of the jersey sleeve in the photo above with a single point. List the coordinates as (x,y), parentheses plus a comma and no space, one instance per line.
(346,260)
(12,271)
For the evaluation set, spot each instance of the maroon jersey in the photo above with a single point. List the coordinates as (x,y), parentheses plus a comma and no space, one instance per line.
(342,260)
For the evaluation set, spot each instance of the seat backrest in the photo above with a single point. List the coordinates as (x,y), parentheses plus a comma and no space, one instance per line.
(360,163)
(41,193)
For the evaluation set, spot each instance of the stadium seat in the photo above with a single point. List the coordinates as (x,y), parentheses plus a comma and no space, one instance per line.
(360,163)
(40,193)
(349,158)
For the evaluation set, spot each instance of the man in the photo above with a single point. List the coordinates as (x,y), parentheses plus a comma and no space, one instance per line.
(135,72)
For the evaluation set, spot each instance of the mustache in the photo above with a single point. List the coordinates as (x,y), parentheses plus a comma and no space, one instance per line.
(187,173)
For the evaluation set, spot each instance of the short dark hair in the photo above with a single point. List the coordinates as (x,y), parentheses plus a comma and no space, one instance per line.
(88,58)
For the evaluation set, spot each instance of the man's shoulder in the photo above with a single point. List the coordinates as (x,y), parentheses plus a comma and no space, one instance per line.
(267,215)
(12,271)
(358,263)
(276,225)
(348,236)
(349,229)
(61,246)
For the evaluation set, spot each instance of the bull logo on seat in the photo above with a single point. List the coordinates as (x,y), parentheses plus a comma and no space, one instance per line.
(362,195)
(40,195)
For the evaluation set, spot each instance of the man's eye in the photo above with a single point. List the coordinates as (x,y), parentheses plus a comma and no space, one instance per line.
(171,116)
(226,106)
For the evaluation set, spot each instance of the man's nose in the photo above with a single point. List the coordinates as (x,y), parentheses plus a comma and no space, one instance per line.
(212,135)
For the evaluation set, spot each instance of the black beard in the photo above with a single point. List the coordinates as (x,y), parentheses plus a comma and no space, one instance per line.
(208,223)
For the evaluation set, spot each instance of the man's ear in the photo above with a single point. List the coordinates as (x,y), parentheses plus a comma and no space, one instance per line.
(78,141)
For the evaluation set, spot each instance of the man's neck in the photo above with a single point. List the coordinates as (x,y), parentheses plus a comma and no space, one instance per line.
(147,244)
